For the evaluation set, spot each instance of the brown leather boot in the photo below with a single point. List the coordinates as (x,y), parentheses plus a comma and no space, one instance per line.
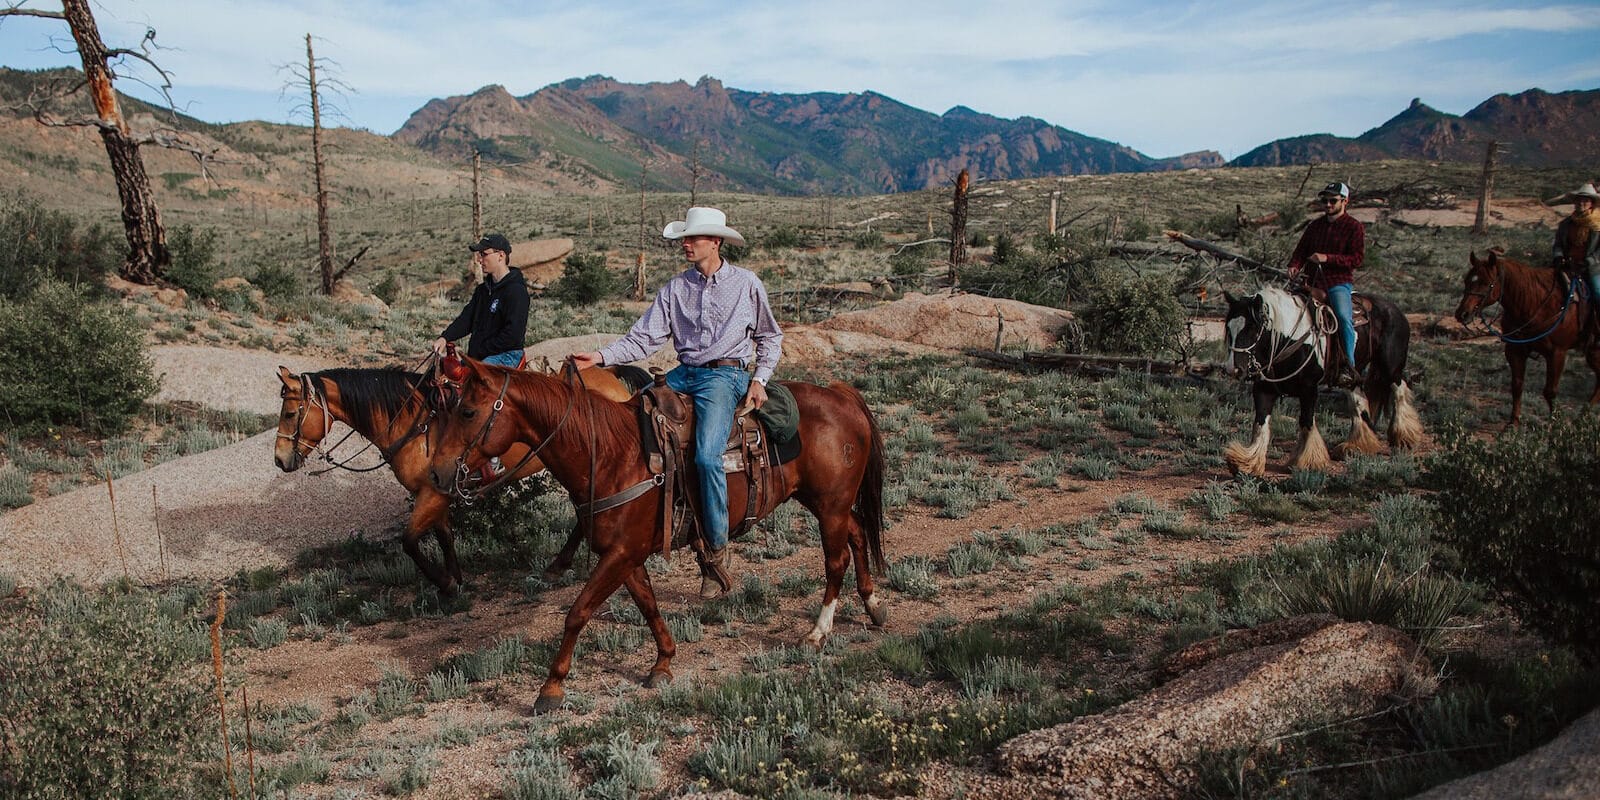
(715,581)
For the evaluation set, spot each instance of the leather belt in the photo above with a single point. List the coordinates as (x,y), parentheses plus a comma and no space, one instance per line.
(723,362)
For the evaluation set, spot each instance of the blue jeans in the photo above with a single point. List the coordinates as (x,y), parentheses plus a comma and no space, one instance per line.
(510,358)
(1339,299)
(716,392)
(1594,291)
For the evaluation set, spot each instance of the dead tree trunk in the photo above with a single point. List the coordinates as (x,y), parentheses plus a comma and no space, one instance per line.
(1480,225)
(470,279)
(324,236)
(958,225)
(141,220)
(638,271)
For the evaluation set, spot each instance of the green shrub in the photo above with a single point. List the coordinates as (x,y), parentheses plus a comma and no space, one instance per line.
(102,696)
(388,289)
(585,280)
(194,259)
(1138,315)
(70,361)
(781,238)
(278,282)
(1521,510)
(38,245)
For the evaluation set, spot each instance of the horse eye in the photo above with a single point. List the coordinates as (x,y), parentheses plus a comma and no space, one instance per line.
(469,413)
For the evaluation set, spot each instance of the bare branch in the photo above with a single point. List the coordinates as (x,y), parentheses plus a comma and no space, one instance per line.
(16,10)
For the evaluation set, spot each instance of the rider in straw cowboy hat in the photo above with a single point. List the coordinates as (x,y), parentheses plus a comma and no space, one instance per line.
(1577,245)
(718,318)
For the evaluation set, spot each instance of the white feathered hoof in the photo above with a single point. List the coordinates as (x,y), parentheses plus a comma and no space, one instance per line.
(1311,452)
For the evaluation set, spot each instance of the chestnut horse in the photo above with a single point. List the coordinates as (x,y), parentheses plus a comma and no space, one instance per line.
(384,406)
(1539,316)
(593,448)
(1275,340)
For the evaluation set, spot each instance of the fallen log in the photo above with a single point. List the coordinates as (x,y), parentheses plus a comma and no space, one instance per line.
(1222,253)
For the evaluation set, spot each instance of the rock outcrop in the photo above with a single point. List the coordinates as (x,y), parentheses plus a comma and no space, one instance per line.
(1153,747)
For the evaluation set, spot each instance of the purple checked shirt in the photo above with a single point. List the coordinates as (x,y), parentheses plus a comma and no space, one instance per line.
(724,316)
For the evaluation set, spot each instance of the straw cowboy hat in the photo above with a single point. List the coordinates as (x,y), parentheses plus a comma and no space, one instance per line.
(703,222)
(1586,190)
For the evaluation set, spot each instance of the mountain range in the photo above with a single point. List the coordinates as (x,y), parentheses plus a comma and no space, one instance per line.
(597,134)
(1535,128)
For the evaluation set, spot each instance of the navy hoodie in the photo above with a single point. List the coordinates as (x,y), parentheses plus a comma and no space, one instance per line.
(496,316)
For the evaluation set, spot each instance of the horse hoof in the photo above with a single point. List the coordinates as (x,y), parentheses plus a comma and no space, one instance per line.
(813,640)
(450,590)
(879,613)
(553,573)
(657,679)
(549,702)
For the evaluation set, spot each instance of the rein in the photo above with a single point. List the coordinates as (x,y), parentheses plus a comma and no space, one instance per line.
(1279,348)
(460,487)
(1500,275)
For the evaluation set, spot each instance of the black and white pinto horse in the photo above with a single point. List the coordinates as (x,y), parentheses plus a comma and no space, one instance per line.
(1286,347)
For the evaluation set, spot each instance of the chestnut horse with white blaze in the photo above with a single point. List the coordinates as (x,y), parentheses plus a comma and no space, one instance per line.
(385,407)
(1540,316)
(593,447)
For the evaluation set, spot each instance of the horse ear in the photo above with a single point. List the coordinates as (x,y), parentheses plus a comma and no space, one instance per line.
(1472,255)
(1228,297)
(284,374)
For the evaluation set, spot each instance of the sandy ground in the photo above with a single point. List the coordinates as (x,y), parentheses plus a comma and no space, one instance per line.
(207,515)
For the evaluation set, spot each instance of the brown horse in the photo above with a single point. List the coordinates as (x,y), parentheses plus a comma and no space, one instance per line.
(593,448)
(384,406)
(1539,316)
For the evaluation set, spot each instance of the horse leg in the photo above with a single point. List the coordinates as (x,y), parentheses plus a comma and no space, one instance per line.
(1310,451)
(563,560)
(836,548)
(864,587)
(607,576)
(1517,359)
(1361,438)
(431,512)
(1592,355)
(644,596)
(1555,362)
(1252,460)
(1405,426)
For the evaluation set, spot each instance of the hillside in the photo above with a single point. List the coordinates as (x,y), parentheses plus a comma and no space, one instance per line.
(1537,128)
(820,142)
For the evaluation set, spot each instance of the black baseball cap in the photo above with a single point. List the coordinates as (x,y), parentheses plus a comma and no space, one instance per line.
(1335,189)
(491,241)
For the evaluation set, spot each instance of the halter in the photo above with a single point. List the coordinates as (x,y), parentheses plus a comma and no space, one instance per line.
(1279,348)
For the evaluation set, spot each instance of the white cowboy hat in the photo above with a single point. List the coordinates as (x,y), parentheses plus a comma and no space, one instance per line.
(702,222)
(1586,190)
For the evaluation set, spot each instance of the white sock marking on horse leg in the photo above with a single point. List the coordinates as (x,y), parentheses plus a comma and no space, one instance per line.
(1251,460)
(824,624)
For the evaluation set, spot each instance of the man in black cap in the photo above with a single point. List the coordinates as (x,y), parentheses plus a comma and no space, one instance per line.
(1330,251)
(497,314)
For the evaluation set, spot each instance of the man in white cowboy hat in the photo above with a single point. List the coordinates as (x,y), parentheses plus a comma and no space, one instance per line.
(1330,251)
(719,320)
(1577,245)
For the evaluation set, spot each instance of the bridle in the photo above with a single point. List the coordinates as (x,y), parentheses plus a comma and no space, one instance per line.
(310,396)
(464,485)
(1489,296)
(1279,349)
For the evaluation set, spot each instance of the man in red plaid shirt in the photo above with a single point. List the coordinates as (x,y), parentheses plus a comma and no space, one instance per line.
(1330,251)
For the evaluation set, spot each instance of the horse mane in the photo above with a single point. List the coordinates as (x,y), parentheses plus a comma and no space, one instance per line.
(361,391)
(1282,312)
(551,397)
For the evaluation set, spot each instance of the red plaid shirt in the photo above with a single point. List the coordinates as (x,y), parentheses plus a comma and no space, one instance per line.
(1342,239)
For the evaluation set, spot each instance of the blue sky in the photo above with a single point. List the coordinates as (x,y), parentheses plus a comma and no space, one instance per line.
(1162,77)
